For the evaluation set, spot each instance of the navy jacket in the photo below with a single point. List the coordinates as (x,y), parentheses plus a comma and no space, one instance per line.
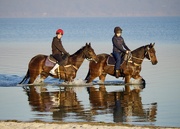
(119,44)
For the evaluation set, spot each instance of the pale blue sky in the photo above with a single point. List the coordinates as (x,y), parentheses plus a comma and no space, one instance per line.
(88,8)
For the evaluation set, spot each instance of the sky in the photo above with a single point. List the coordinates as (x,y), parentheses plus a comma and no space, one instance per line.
(88,8)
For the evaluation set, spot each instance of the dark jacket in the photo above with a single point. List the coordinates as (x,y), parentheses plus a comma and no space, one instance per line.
(119,44)
(57,47)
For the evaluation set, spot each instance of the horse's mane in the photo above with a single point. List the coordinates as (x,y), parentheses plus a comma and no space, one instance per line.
(78,51)
(138,49)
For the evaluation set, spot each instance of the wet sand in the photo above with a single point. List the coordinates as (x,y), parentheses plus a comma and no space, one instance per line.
(77,125)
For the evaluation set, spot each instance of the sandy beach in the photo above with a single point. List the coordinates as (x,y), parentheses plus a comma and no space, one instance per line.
(46,125)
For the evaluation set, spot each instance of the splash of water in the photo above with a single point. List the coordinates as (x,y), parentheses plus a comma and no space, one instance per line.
(77,82)
(9,80)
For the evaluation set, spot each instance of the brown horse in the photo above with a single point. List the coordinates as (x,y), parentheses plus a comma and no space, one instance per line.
(37,71)
(131,67)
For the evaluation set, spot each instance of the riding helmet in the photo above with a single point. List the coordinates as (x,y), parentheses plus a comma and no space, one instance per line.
(117,29)
(60,31)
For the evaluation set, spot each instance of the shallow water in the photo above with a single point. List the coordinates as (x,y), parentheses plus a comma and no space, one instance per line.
(155,104)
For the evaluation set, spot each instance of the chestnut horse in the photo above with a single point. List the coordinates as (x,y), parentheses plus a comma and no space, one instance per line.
(131,67)
(37,71)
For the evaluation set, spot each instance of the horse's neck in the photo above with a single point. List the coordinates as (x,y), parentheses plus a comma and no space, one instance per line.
(76,59)
(138,55)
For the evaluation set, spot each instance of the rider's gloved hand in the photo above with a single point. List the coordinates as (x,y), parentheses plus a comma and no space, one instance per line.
(127,51)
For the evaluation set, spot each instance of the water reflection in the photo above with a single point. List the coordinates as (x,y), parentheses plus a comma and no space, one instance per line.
(121,105)
(126,104)
(59,102)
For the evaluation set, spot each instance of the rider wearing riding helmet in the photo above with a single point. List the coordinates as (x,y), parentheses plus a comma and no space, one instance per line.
(119,49)
(58,50)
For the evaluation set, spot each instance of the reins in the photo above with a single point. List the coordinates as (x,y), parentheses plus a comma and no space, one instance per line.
(130,58)
(137,58)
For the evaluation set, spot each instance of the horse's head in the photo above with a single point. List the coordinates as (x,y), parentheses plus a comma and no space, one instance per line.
(89,53)
(150,53)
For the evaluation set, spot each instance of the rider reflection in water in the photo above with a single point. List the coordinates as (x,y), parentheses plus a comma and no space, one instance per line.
(58,50)
(119,49)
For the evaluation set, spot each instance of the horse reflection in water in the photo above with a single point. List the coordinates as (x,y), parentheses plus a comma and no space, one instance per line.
(126,105)
(59,102)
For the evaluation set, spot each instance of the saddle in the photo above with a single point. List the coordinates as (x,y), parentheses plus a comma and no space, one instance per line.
(111,61)
(50,61)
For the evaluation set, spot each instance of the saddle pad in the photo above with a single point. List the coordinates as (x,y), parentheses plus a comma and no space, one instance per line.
(49,62)
(110,60)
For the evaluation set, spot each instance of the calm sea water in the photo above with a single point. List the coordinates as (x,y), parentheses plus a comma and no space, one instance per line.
(156,104)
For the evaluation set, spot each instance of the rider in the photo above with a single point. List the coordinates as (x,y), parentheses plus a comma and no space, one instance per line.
(119,48)
(58,50)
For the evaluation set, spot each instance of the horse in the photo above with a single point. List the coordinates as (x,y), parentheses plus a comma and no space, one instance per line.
(38,71)
(131,67)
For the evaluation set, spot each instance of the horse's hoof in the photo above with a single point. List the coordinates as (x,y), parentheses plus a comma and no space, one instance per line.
(143,81)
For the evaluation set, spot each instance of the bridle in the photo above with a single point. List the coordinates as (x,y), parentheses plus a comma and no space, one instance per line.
(141,59)
(87,55)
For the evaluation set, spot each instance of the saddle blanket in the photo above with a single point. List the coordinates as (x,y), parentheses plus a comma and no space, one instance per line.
(110,60)
(50,61)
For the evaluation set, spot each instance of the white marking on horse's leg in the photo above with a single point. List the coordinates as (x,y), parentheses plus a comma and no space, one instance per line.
(38,80)
(137,81)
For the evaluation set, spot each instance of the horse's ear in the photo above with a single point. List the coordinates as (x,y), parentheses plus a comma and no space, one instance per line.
(89,43)
(86,44)
(151,45)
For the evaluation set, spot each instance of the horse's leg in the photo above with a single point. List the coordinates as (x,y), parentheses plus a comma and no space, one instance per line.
(96,69)
(42,76)
(102,77)
(35,76)
(90,78)
(35,68)
(93,72)
(88,75)
(127,79)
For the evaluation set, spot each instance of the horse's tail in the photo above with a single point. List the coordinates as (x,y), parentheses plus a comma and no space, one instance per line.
(87,76)
(25,78)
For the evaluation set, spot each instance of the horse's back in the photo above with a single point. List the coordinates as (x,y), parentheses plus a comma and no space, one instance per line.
(39,56)
(102,56)
(38,59)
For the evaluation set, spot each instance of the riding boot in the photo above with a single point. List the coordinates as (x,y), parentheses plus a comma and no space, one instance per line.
(117,73)
(53,69)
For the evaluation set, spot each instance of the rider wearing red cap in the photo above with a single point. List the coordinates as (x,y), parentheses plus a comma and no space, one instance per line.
(58,50)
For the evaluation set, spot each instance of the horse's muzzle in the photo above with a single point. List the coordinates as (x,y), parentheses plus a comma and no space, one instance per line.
(154,62)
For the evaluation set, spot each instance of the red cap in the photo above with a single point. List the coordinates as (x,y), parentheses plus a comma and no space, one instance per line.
(60,31)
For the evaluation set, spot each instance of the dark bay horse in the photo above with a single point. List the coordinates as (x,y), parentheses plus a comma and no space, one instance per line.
(131,67)
(37,71)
